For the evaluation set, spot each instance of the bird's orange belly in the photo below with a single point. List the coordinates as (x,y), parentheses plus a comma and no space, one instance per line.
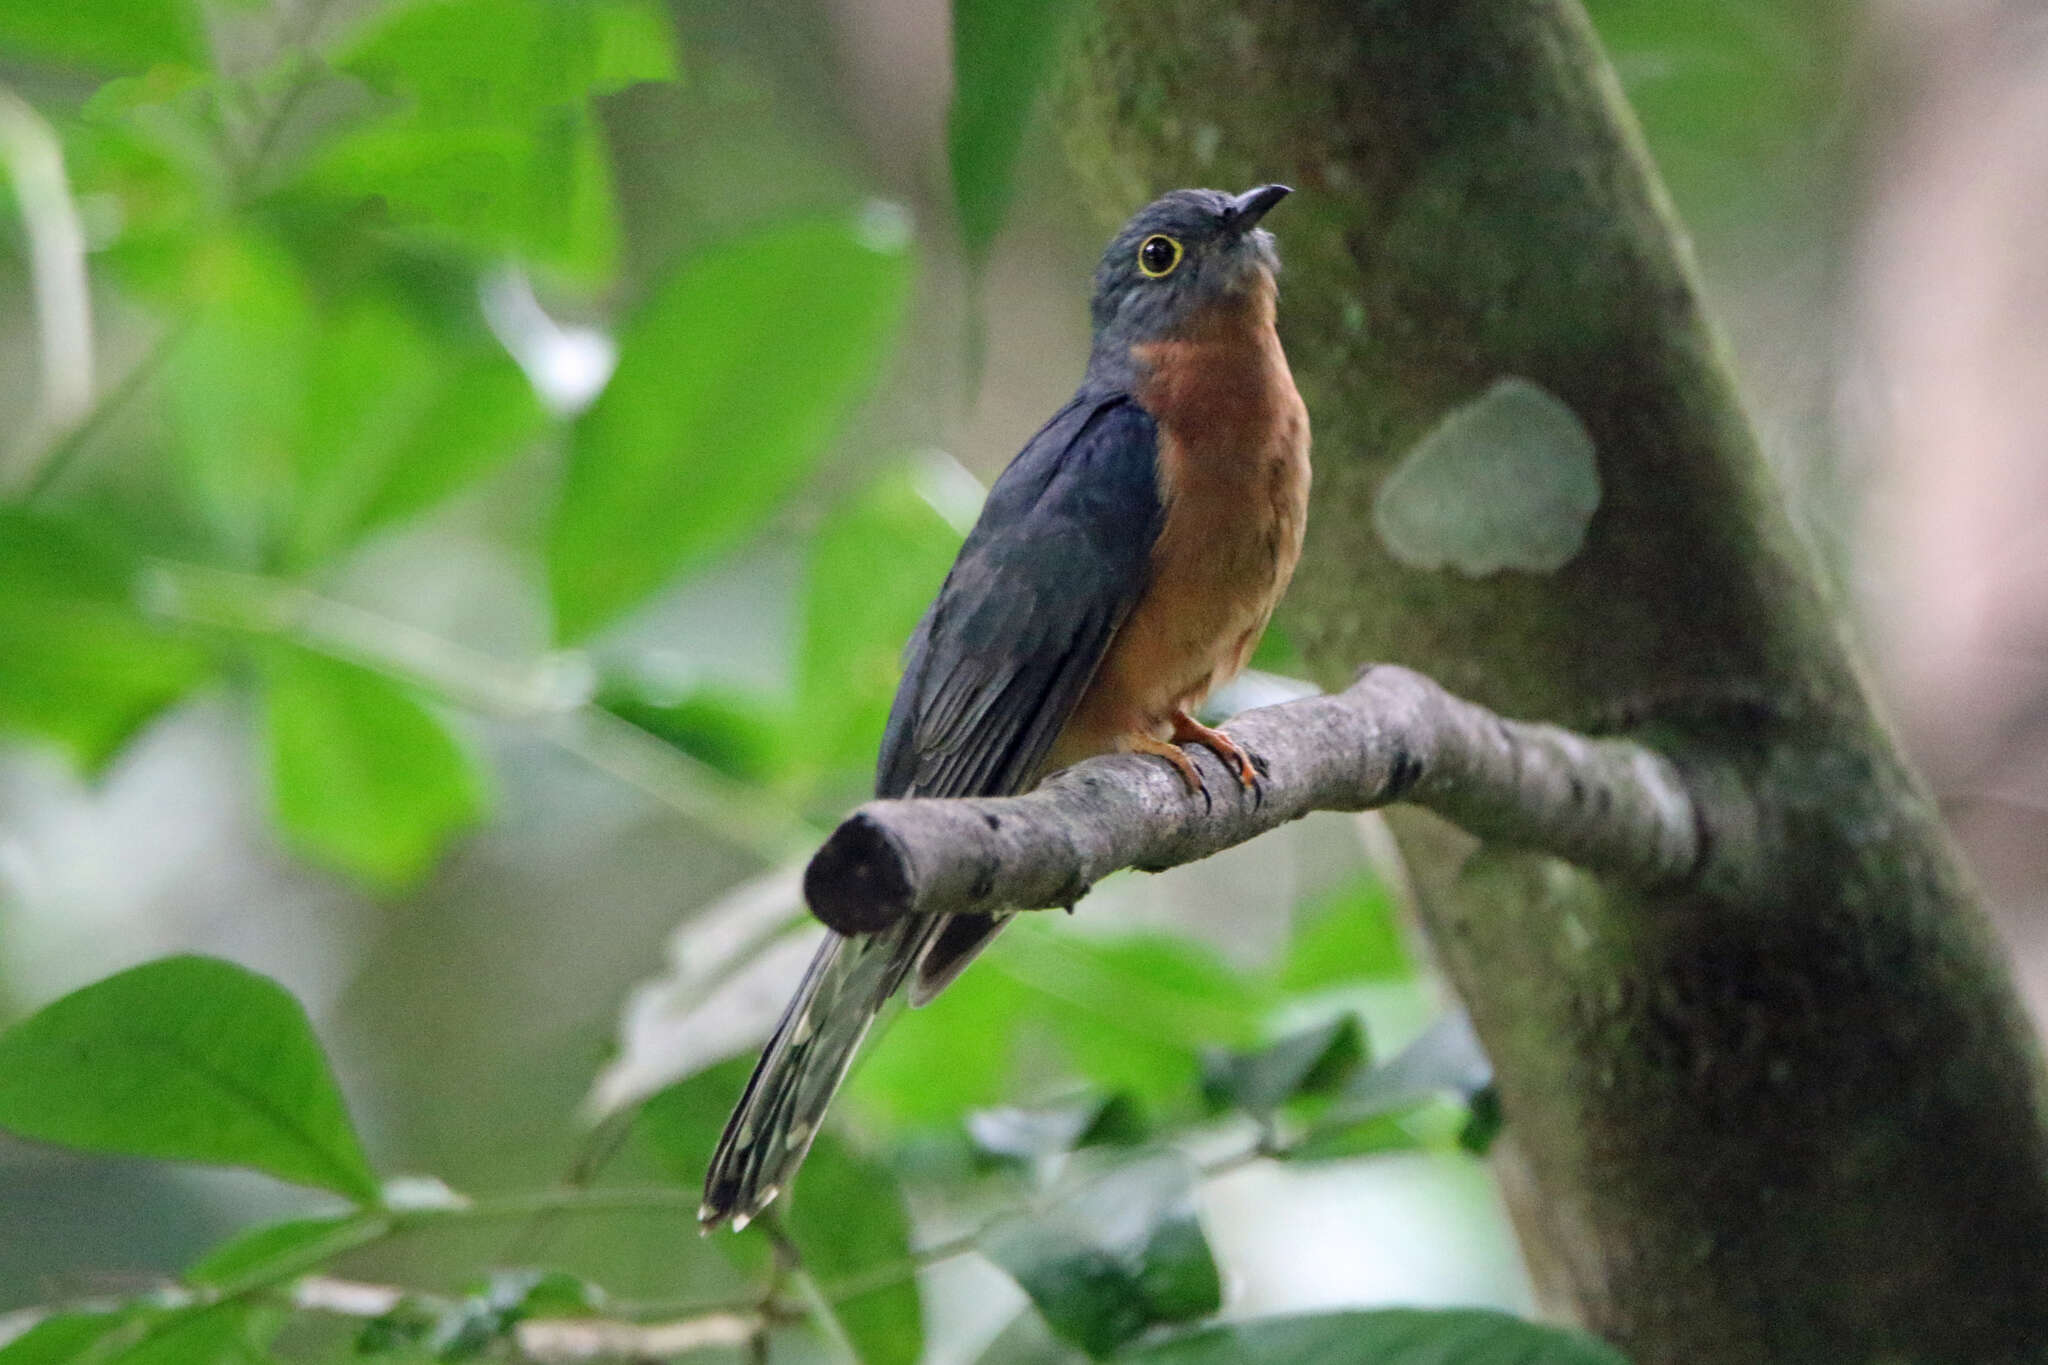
(1232,536)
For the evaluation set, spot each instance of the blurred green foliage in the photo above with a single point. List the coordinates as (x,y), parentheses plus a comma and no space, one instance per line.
(300,214)
(112,36)
(1001,49)
(85,668)
(195,1059)
(362,776)
(730,380)
(1741,102)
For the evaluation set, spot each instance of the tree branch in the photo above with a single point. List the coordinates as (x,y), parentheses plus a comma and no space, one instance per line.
(1610,805)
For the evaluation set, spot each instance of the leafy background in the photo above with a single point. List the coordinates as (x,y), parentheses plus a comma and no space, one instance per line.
(515,440)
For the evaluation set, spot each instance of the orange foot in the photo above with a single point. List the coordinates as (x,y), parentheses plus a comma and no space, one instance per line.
(1188,730)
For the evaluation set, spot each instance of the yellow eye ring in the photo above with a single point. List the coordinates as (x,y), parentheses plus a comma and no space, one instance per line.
(1157,256)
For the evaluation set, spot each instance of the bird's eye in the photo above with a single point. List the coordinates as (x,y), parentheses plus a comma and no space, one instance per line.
(1158,255)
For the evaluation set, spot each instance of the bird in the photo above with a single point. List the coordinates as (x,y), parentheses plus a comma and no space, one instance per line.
(1123,566)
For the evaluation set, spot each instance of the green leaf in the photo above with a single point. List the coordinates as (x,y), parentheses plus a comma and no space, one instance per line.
(252,1251)
(739,734)
(1026,1340)
(369,375)
(1084,1294)
(679,1126)
(233,1333)
(501,155)
(1117,1254)
(1131,1014)
(551,1294)
(1352,935)
(1313,1061)
(303,425)
(1443,1058)
(363,779)
(59,1339)
(1177,1277)
(476,1325)
(1405,1103)
(847,1219)
(1002,50)
(399,1335)
(876,563)
(229,1333)
(1135,1014)
(1428,1124)
(185,1059)
(1393,1336)
(482,410)
(236,383)
(84,667)
(731,381)
(935,1065)
(394,420)
(148,147)
(106,35)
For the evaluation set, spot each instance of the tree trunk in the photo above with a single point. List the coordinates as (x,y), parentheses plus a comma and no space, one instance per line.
(1795,1116)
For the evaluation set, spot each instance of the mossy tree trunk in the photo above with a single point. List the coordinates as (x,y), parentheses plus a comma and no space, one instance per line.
(1794,1116)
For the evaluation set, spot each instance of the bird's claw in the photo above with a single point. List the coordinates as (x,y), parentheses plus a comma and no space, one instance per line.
(1242,764)
(1262,775)
(1247,768)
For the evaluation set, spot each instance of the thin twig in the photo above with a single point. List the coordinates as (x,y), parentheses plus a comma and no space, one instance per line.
(560,1341)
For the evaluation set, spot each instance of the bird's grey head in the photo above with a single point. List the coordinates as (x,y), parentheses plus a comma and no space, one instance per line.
(1181,253)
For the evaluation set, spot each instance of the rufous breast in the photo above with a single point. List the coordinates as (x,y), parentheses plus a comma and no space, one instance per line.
(1234,479)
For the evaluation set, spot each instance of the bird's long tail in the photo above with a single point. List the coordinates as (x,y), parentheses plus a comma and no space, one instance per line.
(800,1069)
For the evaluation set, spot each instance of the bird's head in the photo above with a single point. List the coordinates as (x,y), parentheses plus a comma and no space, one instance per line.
(1180,255)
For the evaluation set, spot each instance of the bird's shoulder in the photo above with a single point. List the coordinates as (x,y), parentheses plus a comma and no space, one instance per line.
(1069,523)
(1101,448)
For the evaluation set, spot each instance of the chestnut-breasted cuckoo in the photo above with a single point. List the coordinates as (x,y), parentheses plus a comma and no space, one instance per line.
(1124,566)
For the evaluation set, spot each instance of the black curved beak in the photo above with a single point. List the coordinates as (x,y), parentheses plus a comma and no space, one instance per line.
(1246,210)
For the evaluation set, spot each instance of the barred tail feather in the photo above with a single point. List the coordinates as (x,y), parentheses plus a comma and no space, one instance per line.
(800,1069)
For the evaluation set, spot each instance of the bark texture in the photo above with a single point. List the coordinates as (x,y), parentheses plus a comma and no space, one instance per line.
(1391,736)
(1796,1118)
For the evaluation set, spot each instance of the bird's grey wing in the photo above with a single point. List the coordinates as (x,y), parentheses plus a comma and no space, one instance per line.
(1057,560)
(1059,557)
